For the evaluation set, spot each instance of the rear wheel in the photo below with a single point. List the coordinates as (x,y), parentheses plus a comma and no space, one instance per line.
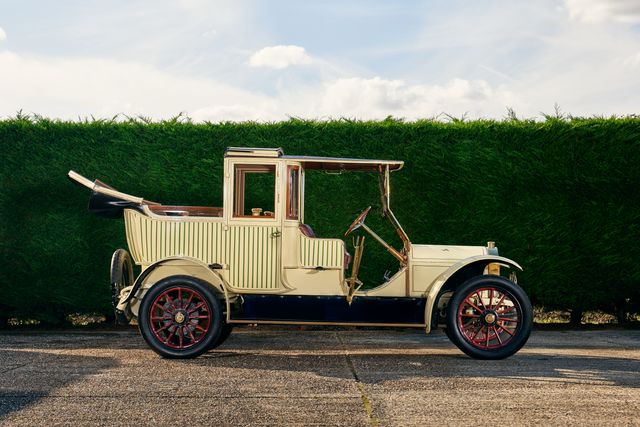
(489,317)
(180,317)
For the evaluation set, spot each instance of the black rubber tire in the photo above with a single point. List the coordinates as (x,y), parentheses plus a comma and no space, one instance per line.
(121,276)
(207,293)
(447,333)
(224,334)
(521,333)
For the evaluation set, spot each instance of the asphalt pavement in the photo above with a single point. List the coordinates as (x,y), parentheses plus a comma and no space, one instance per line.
(288,376)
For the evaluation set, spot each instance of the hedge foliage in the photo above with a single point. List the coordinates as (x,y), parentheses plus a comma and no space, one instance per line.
(561,197)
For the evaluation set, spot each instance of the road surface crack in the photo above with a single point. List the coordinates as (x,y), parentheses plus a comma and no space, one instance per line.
(13,368)
(366,402)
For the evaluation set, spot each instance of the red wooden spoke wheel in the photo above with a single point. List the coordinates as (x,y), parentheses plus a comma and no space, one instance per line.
(489,317)
(180,317)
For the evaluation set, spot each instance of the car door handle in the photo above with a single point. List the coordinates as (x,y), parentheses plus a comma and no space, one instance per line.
(276,234)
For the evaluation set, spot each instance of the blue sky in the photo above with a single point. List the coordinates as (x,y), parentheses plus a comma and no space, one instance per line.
(270,60)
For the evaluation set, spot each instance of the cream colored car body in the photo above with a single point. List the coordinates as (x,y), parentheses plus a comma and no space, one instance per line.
(270,255)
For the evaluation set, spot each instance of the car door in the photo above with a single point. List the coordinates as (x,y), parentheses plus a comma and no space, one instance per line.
(254,226)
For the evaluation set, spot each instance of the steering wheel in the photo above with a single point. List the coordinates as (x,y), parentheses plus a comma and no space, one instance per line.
(358,222)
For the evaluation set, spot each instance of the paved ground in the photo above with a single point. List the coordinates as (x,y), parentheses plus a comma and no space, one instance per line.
(267,376)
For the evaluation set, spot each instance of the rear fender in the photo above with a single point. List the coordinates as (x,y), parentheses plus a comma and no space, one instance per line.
(475,264)
(173,266)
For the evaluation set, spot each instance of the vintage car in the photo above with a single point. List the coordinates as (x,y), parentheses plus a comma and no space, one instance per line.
(255,260)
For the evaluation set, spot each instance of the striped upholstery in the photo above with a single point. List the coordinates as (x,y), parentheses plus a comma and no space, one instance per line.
(327,253)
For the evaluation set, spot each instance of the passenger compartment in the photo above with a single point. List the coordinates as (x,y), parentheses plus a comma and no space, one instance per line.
(170,210)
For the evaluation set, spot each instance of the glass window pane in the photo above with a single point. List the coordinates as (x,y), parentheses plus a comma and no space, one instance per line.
(293,192)
(254,192)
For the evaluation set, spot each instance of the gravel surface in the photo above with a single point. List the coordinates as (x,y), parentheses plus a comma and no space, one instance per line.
(276,376)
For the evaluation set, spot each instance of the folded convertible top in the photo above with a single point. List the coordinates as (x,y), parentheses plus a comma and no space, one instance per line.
(105,200)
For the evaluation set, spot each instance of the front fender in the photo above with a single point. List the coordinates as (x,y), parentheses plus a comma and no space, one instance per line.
(479,261)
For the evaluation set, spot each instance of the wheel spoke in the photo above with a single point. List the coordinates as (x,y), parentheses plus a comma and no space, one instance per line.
(476,333)
(163,328)
(196,307)
(481,302)
(170,336)
(468,329)
(495,307)
(491,299)
(180,296)
(487,344)
(193,338)
(505,329)
(473,305)
(497,335)
(507,319)
(170,301)
(506,310)
(189,300)
(160,307)
(469,315)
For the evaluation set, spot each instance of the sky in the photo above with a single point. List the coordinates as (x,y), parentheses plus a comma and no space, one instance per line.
(240,60)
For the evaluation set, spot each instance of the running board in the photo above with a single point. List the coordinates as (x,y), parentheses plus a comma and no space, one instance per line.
(329,310)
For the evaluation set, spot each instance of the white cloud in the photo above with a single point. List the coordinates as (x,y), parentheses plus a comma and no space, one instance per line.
(71,88)
(596,11)
(632,60)
(378,98)
(279,57)
(3,35)
(210,34)
(370,98)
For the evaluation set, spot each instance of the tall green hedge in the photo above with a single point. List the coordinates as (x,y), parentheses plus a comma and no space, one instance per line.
(562,197)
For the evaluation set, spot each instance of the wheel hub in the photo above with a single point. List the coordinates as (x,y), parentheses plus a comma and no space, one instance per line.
(179,317)
(489,317)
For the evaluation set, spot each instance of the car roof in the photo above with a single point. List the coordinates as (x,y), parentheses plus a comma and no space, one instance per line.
(316,162)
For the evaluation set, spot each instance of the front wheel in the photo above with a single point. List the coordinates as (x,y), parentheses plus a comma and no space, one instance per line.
(180,317)
(489,317)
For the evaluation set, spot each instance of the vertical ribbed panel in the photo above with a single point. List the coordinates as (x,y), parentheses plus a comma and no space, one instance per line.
(152,239)
(253,257)
(251,253)
(327,253)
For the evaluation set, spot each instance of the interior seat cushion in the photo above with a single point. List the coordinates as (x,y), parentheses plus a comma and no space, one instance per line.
(307,230)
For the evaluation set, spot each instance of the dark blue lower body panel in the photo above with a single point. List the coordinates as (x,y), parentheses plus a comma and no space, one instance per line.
(330,309)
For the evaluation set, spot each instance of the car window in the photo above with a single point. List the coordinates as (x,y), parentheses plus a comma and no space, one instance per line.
(254,191)
(293,192)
